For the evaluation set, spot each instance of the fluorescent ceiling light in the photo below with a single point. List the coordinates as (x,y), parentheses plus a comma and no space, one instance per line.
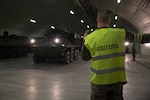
(32,21)
(116,17)
(71,12)
(88,26)
(118,1)
(81,36)
(114,25)
(52,27)
(82,21)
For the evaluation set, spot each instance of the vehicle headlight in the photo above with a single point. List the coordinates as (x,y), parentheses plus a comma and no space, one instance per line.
(32,41)
(63,45)
(57,40)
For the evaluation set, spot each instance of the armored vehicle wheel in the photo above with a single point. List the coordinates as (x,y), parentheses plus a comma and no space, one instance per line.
(3,53)
(72,56)
(76,54)
(19,52)
(11,52)
(36,59)
(66,57)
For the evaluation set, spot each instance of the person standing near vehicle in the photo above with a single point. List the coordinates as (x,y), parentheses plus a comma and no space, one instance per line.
(105,46)
(133,52)
(137,40)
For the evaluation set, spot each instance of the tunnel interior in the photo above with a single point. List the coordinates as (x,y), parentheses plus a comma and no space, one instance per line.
(16,15)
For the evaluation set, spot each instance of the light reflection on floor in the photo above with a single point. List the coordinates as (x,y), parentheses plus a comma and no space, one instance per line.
(52,81)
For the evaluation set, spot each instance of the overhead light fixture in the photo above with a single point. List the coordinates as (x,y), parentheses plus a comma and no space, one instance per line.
(71,12)
(88,26)
(114,25)
(81,36)
(32,21)
(82,21)
(92,30)
(118,1)
(116,17)
(52,27)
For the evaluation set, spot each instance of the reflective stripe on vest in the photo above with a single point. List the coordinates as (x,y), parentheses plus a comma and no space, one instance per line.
(107,65)
(105,71)
(108,56)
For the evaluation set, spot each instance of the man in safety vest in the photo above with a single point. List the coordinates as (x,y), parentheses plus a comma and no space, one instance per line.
(105,47)
(137,39)
(133,51)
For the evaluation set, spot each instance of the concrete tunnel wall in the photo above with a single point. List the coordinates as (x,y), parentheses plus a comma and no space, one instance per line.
(138,14)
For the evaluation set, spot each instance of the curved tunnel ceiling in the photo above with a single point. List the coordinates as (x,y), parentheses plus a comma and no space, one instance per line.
(15,16)
(134,15)
(136,12)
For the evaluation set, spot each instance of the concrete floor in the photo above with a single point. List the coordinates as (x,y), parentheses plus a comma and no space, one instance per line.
(21,79)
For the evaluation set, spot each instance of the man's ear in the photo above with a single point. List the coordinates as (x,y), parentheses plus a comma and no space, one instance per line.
(97,20)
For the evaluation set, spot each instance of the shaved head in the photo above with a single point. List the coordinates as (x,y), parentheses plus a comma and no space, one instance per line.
(104,15)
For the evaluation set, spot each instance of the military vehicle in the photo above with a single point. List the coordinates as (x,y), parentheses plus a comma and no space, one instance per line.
(13,46)
(57,44)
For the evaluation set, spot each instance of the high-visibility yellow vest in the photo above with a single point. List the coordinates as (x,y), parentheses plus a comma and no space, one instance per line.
(107,49)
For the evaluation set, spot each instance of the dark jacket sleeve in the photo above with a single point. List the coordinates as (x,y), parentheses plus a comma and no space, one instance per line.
(85,54)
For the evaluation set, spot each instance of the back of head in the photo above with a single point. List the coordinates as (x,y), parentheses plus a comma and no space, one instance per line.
(104,15)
